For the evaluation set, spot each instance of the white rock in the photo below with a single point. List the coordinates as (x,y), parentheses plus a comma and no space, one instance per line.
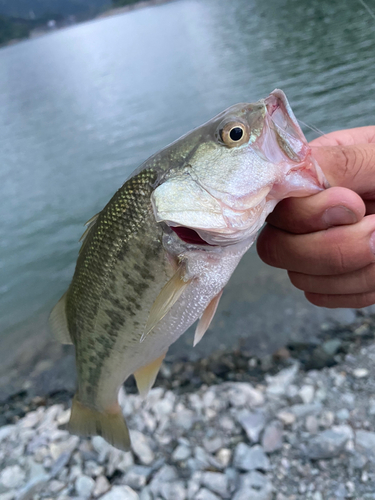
(141,447)
(126,461)
(64,417)
(121,493)
(56,449)
(102,485)
(84,486)
(277,384)
(223,456)
(306,393)
(287,417)
(12,477)
(360,372)
(243,394)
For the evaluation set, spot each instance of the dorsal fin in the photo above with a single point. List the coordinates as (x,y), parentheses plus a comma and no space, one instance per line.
(206,318)
(89,225)
(59,323)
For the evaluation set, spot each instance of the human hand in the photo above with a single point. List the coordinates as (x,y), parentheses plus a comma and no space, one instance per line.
(326,242)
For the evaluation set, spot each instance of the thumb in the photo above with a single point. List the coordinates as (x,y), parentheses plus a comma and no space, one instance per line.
(349,166)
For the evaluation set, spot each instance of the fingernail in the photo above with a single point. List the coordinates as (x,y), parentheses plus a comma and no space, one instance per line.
(372,242)
(338,216)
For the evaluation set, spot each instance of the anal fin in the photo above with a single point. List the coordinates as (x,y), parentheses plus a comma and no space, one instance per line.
(166,299)
(110,424)
(145,377)
(58,322)
(206,318)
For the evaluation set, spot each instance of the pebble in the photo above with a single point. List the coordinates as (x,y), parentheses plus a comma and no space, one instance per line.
(136,477)
(12,477)
(141,447)
(217,483)
(252,422)
(278,384)
(242,394)
(365,440)
(120,493)
(182,452)
(254,486)
(327,444)
(360,372)
(306,393)
(247,459)
(211,444)
(272,437)
(84,486)
(173,491)
(287,417)
(312,424)
(102,485)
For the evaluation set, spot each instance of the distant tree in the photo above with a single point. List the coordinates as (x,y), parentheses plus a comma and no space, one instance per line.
(10,30)
(123,3)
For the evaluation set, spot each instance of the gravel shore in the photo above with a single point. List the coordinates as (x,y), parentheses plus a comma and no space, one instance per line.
(229,427)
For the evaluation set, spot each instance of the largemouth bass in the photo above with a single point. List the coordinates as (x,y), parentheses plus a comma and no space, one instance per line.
(159,254)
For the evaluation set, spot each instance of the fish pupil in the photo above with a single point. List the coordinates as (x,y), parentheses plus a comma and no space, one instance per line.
(236,133)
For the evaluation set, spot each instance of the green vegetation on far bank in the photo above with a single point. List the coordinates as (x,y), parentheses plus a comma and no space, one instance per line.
(12,30)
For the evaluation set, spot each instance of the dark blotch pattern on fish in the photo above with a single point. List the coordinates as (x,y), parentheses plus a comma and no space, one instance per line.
(94,298)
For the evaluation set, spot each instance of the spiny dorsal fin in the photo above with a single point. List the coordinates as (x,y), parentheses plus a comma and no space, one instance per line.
(110,424)
(146,376)
(59,323)
(168,296)
(90,224)
(206,318)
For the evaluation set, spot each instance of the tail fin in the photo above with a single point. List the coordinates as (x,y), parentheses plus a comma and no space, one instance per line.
(110,425)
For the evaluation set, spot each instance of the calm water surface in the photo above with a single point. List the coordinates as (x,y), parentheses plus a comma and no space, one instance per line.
(82,107)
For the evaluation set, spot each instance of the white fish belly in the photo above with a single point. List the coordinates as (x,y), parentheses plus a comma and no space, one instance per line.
(212,272)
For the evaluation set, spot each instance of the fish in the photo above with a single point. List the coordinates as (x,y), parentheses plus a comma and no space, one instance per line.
(157,257)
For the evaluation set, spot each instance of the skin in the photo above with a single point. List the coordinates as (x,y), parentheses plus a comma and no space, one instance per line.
(326,242)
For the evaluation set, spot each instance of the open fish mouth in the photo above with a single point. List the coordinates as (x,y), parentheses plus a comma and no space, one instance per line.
(189,236)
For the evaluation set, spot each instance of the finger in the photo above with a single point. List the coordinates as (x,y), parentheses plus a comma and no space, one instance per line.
(332,207)
(336,250)
(349,137)
(349,166)
(360,281)
(356,301)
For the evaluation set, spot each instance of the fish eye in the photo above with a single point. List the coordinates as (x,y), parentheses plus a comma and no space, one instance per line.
(234,134)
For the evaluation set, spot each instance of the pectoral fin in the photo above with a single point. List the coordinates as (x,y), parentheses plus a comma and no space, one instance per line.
(206,318)
(146,376)
(58,322)
(166,299)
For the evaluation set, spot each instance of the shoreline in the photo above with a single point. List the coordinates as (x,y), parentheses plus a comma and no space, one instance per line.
(292,435)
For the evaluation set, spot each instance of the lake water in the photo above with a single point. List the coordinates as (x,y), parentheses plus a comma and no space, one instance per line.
(82,107)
